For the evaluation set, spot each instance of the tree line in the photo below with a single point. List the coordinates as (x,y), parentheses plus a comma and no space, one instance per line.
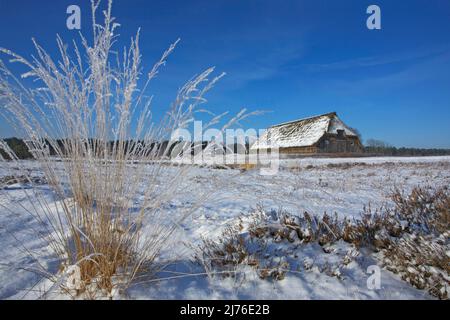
(381,148)
(372,148)
(158,149)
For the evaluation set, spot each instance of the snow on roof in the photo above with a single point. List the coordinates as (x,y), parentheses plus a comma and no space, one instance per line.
(301,133)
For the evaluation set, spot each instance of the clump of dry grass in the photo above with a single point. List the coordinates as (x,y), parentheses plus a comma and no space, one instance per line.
(89,124)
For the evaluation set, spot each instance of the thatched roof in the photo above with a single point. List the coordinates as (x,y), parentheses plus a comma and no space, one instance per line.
(301,133)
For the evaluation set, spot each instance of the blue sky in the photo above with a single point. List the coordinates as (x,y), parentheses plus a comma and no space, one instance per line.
(296,58)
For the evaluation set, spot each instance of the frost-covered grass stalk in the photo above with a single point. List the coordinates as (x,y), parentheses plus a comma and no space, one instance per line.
(88,123)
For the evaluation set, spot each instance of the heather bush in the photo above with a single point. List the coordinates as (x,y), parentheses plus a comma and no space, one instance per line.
(411,239)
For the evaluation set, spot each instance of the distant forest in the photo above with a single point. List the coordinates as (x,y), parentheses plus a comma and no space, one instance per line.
(18,146)
(381,148)
(372,148)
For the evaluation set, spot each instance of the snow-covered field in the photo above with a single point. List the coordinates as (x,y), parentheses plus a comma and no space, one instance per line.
(342,186)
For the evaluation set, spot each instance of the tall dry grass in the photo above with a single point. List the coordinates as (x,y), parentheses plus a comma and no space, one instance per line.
(89,124)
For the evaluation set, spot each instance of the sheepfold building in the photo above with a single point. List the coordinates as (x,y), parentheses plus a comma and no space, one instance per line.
(320,135)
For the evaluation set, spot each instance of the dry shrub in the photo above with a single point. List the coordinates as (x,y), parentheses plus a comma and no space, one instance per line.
(412,240)
(256,245)
(236,248)
(421,254)
(422,261)
(228,252)
(21,179)
(345,165)
(425,211)
(374,229)
(303,229)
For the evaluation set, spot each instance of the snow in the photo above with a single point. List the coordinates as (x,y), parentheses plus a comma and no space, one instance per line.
(336,124)
(343,186)
(303,162)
